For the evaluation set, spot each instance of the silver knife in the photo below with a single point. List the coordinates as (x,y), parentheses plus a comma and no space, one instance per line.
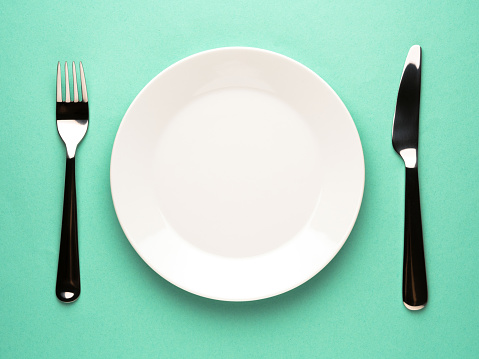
(405,142)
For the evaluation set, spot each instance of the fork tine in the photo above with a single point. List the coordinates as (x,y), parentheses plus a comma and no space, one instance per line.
(75,88)
(67,84)
(83,84)
(59,83)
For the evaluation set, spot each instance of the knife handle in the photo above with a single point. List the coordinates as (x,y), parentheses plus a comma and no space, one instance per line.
(414,268)
(68,275)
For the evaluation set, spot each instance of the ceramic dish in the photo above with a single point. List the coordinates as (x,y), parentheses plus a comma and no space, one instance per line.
(237,174)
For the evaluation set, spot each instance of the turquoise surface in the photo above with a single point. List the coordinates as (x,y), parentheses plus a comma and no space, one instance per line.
(351,309)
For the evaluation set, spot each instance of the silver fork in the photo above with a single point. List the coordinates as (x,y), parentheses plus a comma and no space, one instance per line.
(72,124)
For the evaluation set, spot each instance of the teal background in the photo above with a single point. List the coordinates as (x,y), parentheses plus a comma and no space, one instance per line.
(351,309)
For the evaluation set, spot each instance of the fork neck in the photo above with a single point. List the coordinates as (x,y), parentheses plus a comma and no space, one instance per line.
(71,151)
(72,132)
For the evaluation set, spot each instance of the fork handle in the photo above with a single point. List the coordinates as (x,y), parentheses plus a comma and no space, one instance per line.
(414,268)
(68,275)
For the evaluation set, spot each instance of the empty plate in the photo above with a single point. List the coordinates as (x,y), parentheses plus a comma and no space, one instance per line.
(237,174)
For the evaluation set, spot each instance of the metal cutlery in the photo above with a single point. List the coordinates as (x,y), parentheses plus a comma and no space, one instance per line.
(72,124)
(405,141)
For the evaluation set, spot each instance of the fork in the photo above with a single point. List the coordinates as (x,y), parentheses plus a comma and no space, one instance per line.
(72,124)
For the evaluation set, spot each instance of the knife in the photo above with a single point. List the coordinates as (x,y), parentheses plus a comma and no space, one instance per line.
(405,142)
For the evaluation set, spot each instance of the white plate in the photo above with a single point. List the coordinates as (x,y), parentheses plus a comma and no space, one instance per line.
(237,174)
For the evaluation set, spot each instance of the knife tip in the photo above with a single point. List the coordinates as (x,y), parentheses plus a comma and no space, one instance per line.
(414,56)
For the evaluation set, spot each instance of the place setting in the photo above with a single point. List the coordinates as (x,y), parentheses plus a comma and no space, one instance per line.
(237,174)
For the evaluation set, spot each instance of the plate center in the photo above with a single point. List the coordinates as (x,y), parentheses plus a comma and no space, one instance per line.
(238,172)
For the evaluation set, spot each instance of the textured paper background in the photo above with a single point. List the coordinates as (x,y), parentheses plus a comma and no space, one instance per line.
(353,307)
